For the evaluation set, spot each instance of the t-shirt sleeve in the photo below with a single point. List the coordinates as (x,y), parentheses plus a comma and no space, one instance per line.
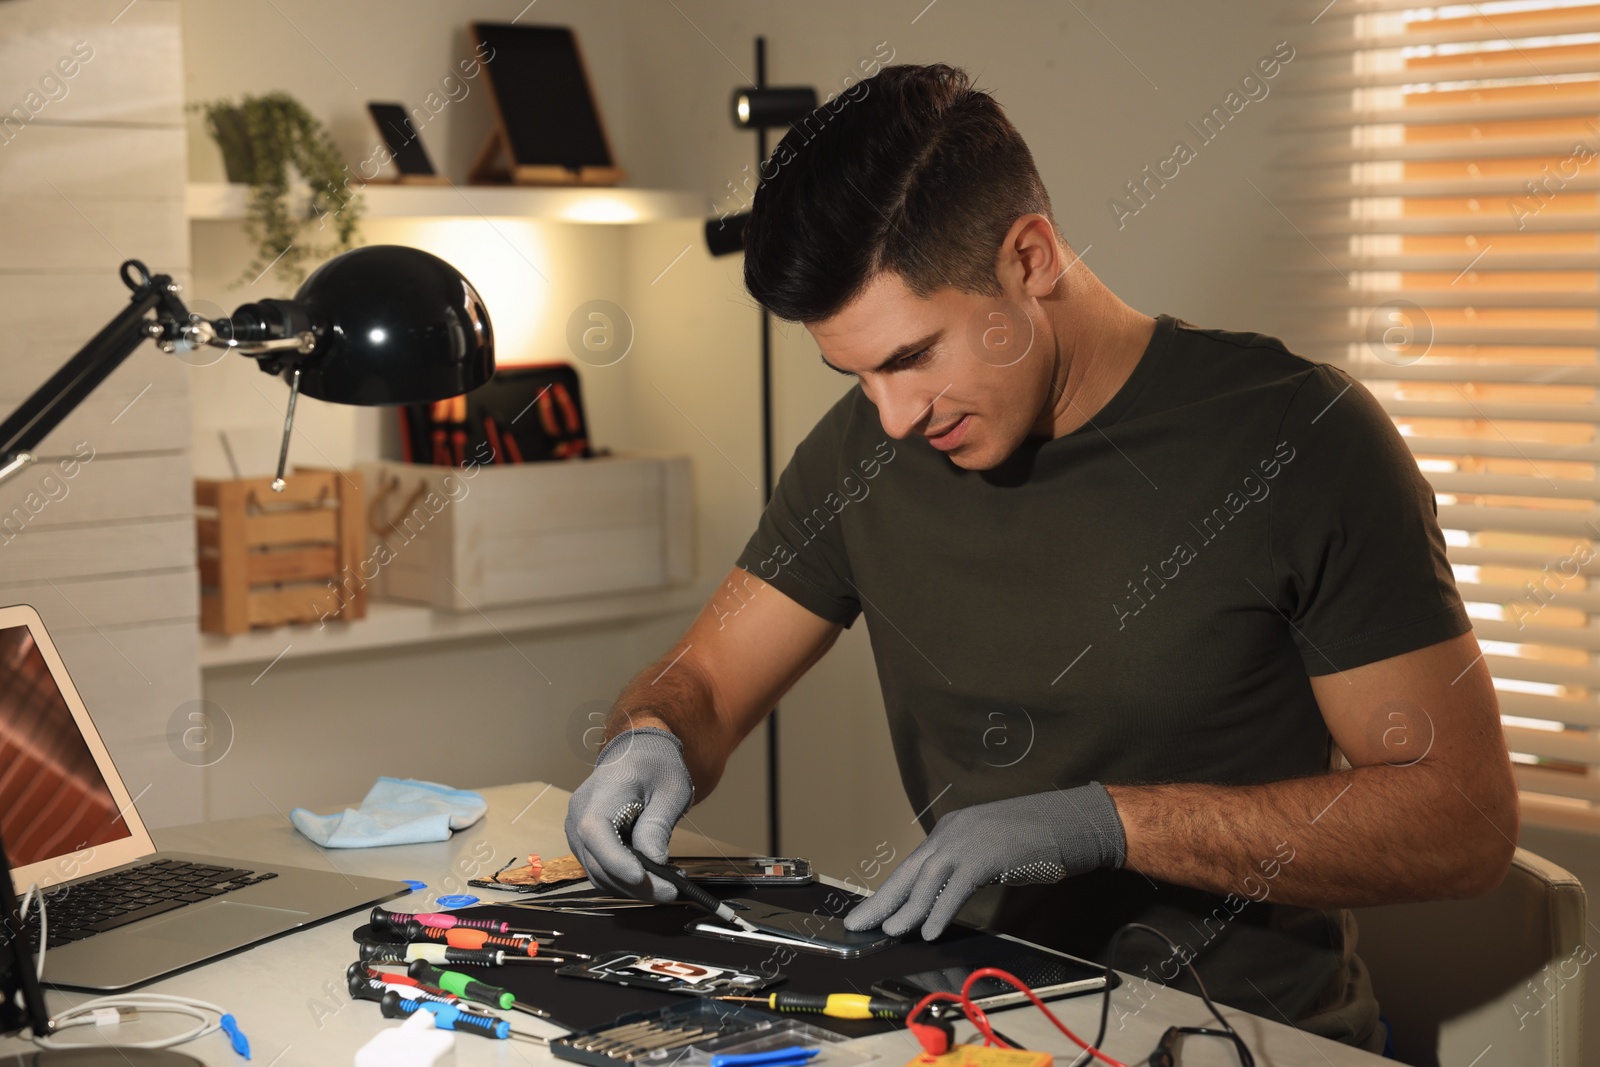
(1357,554)
(798,547)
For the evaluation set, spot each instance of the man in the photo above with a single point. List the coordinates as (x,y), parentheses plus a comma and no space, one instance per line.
(1198,567)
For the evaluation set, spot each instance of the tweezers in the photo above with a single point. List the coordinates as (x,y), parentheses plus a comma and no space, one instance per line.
(586,905)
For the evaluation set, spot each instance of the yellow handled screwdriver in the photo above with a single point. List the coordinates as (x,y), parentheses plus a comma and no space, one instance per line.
(838,1005)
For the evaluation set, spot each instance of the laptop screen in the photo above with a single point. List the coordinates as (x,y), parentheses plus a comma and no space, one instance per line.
(53,799)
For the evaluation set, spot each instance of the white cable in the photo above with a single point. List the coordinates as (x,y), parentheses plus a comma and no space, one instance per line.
(137,1002)
(94,1012)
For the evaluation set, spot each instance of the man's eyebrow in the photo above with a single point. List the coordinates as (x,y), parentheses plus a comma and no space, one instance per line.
(907,349)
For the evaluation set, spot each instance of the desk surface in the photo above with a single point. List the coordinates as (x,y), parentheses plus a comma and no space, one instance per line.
(289,995)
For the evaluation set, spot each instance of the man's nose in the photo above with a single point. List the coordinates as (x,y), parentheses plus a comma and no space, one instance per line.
(901,410)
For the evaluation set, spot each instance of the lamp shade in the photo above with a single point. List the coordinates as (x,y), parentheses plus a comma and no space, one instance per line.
(725,234)
(776,106)
(400,326)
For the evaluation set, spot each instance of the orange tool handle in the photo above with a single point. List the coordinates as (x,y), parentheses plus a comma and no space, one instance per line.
(461,937)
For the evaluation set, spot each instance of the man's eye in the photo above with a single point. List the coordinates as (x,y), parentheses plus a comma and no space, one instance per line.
(906,362)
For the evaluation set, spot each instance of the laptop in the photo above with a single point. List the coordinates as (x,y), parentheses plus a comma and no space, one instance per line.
(119,912)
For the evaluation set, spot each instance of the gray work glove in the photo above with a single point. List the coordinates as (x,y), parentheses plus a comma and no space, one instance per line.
(639,785)
(1043,837)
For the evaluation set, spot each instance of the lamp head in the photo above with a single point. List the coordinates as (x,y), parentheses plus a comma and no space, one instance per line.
(391,325)
(765,108)
(725,234)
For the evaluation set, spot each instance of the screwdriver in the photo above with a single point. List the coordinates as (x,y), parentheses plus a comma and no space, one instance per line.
(396,921)
(381,952)
(837,1005)
(462,938)
(415,930)
(395,979)
(450,1017)
(366,987)
(463,985)
(692,893)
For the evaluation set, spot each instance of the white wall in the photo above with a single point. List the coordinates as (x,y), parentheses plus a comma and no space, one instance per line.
(663,74)
(289,750)
(91,174)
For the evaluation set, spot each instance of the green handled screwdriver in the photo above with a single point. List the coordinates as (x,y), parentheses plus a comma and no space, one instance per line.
(469,988)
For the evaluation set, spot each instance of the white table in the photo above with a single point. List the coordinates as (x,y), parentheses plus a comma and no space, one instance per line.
(289,995)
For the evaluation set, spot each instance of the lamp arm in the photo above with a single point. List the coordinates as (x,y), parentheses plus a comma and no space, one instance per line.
(52,402)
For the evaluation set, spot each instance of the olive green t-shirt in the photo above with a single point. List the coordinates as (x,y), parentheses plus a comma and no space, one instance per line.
(1142,600)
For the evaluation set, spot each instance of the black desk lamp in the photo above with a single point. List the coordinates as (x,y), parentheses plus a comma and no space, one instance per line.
(384,324)
(762,107)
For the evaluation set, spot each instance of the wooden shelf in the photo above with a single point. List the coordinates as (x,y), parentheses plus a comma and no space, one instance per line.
(389,624)
(222,201)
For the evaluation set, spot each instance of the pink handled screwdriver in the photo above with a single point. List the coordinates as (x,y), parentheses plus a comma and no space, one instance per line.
(396,921)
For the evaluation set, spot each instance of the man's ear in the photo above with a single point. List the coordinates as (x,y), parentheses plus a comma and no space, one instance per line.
(1031,257)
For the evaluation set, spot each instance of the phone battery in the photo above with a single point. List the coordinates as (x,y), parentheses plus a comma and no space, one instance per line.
(669,975)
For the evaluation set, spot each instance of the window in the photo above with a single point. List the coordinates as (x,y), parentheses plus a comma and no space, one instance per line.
(1447,178)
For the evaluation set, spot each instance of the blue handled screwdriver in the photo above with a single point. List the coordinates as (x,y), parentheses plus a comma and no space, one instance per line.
(450,1017)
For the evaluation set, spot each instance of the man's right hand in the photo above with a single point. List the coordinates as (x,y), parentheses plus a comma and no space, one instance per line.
(639,786)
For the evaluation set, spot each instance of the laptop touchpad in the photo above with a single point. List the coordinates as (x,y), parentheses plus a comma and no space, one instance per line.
(224,922)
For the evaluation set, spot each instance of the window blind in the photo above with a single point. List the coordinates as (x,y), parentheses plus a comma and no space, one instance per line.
(1442,178)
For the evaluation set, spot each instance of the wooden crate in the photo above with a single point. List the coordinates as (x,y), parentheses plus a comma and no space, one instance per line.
(461,540)
(272,558)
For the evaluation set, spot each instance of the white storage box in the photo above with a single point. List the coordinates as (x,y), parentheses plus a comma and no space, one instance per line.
(460,539)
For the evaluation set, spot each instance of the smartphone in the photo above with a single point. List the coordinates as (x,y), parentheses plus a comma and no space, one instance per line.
(745,870)
(803,930)
(1049,975)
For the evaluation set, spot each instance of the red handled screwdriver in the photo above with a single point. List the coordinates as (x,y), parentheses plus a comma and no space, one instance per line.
(362,972)
(363,987)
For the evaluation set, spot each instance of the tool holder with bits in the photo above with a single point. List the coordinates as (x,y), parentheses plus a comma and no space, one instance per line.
(645,1037)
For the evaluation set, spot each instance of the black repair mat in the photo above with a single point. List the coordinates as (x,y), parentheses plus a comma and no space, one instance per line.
(579,1003)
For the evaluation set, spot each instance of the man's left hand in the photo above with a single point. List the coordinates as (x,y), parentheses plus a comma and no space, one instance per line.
(1043,837)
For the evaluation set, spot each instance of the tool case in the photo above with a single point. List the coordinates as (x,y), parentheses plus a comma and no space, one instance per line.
(728,1028)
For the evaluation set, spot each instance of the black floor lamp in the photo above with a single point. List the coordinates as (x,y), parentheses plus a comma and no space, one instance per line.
(762,107)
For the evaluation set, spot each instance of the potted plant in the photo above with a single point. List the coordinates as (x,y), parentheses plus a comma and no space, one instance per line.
(262,138)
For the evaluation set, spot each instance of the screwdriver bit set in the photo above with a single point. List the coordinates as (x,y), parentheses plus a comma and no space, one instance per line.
(693,1034)
(657,1035)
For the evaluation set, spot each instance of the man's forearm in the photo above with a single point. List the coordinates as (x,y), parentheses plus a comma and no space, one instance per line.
(673,694)
(1378,834)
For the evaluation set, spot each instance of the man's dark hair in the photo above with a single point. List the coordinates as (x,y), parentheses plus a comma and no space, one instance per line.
(912,171)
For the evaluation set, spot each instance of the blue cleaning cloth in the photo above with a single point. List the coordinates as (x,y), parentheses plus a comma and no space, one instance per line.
(396,811)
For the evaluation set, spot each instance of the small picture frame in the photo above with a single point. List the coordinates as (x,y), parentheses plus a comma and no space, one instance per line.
(405,145)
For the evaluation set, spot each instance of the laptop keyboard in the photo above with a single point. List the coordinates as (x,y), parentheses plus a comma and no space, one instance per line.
(96,905)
